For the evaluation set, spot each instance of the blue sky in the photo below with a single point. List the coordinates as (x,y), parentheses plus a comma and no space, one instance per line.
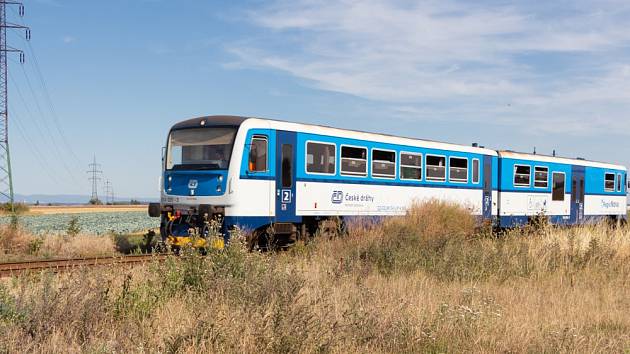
(120,73)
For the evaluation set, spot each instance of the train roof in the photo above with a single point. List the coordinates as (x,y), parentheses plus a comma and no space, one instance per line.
(223,120)
(229,120)
(555,159)
(210,121)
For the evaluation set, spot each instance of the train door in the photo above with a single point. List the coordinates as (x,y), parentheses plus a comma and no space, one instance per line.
(487,187)
(577,194)
(285,176)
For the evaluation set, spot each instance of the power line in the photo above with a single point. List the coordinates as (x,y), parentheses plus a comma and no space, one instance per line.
(6,177)
(49,101)
(41,112)
(34,150)
(42,135)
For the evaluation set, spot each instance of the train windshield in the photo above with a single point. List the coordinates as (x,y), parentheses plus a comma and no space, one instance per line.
(200,149)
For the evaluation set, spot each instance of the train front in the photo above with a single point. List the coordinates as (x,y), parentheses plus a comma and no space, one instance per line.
(194,182)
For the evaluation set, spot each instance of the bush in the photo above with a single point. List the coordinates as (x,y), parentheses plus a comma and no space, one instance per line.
(18,208)
(73,227)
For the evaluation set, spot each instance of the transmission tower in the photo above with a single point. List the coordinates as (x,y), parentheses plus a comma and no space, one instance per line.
(6,178)
(109,192)
(95,177)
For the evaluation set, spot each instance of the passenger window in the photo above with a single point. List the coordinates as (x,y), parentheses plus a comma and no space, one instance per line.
(383,163)
(410,166)
(619,182)
(258,154)
(475,171)
(320,158)
(458,169)
(557,193)
(522,175)
(287,166)
(436,168)
(609,182)
(353,161)
(541,177)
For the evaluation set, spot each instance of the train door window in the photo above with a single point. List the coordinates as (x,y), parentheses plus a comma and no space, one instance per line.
(436,168)
(522,175)
(619,182)
(320,158)
(475,171)
(410,166)
(383,163)
(353,161)
(541,177)
(258,154)
(558,190)
(609,182)
(458,170)
(287,165)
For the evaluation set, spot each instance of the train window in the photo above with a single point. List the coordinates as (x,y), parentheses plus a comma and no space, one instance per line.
(619,182)
(410,166)
(353,161)
(458,169)
(609,182)
(320,158)
(475,171)
(522,175)
(541,177)
(436,168)
(558,187)
(202,148)
(287,166)
(383,163)
(258,154)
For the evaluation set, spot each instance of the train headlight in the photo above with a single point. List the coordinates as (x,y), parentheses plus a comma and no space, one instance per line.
(218,188)
(220,178)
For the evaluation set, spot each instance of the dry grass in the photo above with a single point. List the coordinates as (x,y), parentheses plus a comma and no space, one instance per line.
(428,282)
(16,244)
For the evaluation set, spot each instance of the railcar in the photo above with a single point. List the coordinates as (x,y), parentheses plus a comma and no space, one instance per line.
(289,180)
(567,191)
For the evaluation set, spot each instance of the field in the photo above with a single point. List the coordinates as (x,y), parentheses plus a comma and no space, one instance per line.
(93,221)
(78,209)
(74,231)
(427,282)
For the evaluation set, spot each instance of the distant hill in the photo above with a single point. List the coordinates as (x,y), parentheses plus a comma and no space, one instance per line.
(70,199)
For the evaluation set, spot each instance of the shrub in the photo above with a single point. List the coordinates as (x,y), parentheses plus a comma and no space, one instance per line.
(14,240)
(17,208)
(73,228)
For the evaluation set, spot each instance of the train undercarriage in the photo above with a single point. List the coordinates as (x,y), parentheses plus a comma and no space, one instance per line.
(203,228)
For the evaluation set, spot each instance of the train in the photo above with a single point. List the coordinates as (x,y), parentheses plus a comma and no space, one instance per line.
(291,180)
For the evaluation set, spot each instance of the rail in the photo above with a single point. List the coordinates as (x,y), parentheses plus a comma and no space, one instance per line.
(56,265)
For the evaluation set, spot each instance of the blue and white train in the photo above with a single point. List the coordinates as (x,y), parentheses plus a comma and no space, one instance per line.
(289,178)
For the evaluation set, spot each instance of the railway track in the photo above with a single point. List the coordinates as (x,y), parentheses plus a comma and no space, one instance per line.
(57,265)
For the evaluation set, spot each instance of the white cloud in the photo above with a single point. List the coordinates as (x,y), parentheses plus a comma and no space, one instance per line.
(547,65)
(69,39)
